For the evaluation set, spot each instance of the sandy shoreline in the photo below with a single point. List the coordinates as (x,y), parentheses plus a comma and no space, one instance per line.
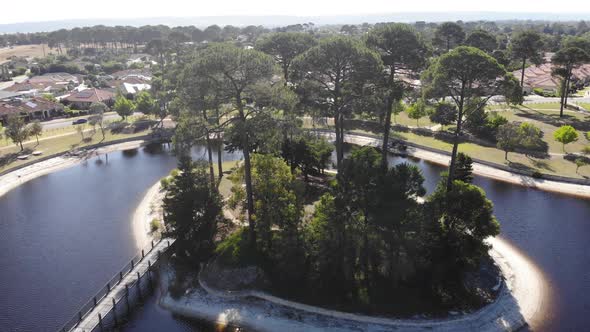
(148,209)
(16,178)
(520,301)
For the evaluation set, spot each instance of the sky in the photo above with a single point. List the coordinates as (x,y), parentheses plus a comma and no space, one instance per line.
(50,10)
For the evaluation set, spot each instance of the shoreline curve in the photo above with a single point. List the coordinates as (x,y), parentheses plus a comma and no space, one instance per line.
(521,301)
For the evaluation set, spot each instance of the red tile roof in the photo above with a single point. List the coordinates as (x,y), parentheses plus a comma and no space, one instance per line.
(90,96)
(31,105)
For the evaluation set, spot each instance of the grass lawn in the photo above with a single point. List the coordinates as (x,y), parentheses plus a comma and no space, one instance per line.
(403,119)
(549,121)
(555,165)
(586,106)
(58,144)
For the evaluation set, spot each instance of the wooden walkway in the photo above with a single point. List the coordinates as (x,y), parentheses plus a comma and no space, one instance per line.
(116,296)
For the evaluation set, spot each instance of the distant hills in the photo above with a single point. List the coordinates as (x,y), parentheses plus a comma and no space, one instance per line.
(273,21)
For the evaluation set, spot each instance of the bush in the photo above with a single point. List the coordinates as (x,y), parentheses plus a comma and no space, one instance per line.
(165,183)
(155,225)
(174,172)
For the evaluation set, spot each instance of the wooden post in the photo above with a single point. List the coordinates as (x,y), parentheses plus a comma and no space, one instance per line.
(108,287)
(132,265)
(120,276)
(115,311)
(150,275)
(79,316)
(100,321)
(95,301)
(127,298)
(142,254)
(139,286)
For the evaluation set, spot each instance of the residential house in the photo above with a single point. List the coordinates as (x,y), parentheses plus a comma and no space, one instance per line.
(34,108)
(83,99)
(50,83)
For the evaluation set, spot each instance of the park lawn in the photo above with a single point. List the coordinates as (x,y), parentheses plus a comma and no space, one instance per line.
(60,144)
(585,106)
(549,121)
(225,184)
(403,119)
(556,165)
(582,93)
(70,129)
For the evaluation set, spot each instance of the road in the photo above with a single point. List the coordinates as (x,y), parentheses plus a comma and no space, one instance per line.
(61,123)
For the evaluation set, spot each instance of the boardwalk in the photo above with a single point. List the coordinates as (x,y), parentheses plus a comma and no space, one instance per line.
(116,296)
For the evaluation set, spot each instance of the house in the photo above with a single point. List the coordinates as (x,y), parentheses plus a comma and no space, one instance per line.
(83,99)
(35,108)
(540,77)
(130,82)
(52,83)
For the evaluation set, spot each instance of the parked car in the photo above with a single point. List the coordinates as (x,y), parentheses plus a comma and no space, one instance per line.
(79,121)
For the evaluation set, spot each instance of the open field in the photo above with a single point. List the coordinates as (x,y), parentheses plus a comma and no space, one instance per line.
(28,51)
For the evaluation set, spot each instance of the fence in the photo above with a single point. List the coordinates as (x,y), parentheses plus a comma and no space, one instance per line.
(120,289)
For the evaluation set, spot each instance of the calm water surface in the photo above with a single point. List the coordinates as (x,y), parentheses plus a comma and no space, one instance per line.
(62,236)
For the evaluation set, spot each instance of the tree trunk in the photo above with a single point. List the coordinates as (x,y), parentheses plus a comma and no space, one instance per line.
(456,139)
(219,160)
(567,89)
(21,145)
(506,155)
(522,76)
(338,140)
(210,156)
(562,98)
(247,175)
(386,129)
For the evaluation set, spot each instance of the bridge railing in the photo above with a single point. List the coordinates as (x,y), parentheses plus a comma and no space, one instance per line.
(87,307)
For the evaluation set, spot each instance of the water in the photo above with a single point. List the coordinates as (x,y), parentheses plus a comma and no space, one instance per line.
(62,236)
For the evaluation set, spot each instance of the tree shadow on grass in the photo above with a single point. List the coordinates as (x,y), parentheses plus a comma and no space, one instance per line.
(555,120)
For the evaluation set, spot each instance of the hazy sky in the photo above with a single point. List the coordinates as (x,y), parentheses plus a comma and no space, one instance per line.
(46,10)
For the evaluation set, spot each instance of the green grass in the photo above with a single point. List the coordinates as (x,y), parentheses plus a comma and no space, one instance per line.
(57,145)
(586,106)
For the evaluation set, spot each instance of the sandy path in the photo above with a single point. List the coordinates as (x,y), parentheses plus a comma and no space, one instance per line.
(521,300)
(148,209)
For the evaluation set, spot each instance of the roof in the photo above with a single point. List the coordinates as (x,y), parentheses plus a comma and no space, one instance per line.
(21,105)
(144,74)
(135,88)
(8,94)
(540,76)
(90,96)
(46,83)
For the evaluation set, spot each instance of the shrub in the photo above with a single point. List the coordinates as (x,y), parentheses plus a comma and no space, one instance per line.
(165,182)
(155,225)
(174,172)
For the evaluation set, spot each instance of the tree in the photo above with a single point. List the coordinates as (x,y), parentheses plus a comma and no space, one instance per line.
(508,138)
(17,130)
(567,59)
(531,137)
(467,220)
(448,35)
(464,170)
(145,103)
(444,114)
(565,135)
(97,119)
(278,203)
(284,47)
(580,162)
(192,211)
(483,40)
(35,129)
(527,45)
(123,106)
(240,70)
(307,152)
(337,69)
(466,74)
(417,111)
(410,58)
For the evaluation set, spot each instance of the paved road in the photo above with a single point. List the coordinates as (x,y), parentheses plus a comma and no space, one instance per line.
(61,123)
